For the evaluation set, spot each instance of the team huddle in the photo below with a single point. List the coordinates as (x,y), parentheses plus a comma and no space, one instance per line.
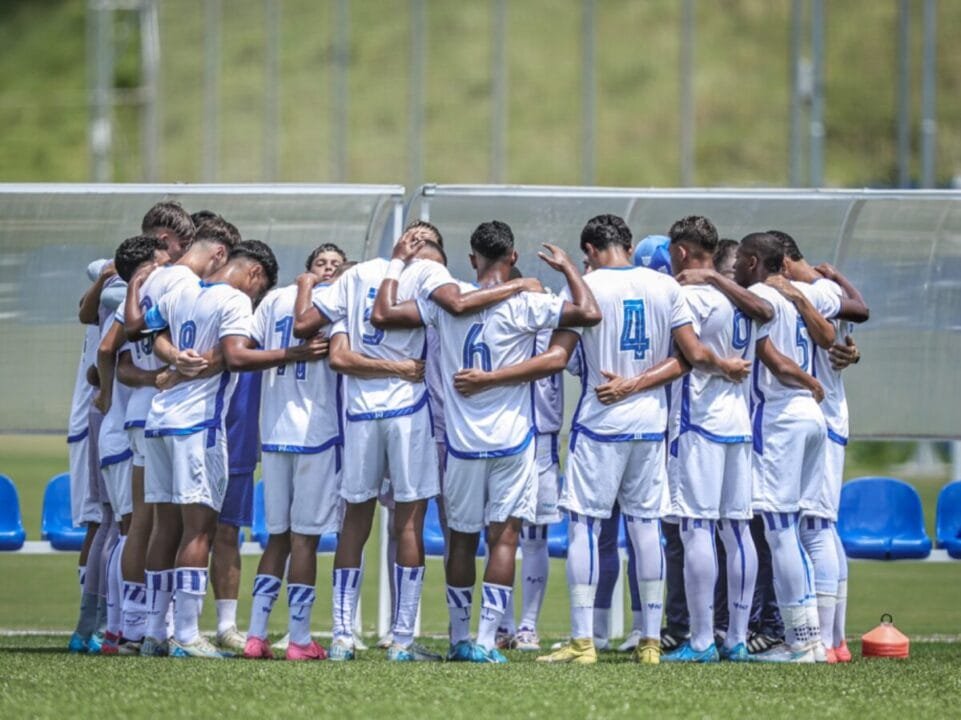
(712,416)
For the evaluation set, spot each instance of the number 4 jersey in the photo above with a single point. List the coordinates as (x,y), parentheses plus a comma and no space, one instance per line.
(640,309)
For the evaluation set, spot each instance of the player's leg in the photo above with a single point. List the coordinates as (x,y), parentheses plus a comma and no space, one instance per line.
(609,568)
(634,636)
(766,629)
(822,588)
(817,537)
(135,549)
(535,568)
(225,563)
(79,469)
(464,495)
(277,469)
(840,643)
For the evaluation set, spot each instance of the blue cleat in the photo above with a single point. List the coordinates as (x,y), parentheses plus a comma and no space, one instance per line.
(466,651)
(686,654)
(738,653)
(341,650)
(411,653)
(77,644)
(493,656)
(94,643)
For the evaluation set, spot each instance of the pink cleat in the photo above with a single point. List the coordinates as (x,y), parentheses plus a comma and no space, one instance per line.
(111,644)
(832,656)
(313,651)
(842,652)
(257,649)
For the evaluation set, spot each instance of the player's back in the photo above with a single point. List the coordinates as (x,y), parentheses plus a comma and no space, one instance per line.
(300,405)
(198,319)
(639,309)
(498,421)
(789,335)
(826,296)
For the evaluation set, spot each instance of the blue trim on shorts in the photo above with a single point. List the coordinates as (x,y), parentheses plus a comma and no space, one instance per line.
(837,438)
(385,414)
(489,454)
(78,437)
(622,437)
(302,449)
(164,432)
(134,424)
(688,426)
(114,459)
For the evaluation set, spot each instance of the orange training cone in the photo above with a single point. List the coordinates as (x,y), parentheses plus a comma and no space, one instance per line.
(885,641)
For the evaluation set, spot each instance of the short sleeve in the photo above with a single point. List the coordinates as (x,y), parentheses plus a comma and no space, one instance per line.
(119,315)
(566,297)
(95,268)
(156,317)
(432,275)
(538,311)
(763,291)
(427,309)
(114,293)
(331,300)
(827,298)
(680,310)
(236,318)
(338,328)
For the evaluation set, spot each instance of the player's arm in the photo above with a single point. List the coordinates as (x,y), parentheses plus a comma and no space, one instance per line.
(844,355)
(551,361)
(240,355)
(135,324)
(131,375)
(308,319)
(88,313)
(582,310)
(106,365)
(822,331)
(853,306)
(617,388)
(734,369)
(346,361)
(786,370)
(752,305)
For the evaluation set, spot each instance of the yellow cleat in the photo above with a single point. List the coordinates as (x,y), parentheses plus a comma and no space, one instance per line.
(648,652)
(580,651)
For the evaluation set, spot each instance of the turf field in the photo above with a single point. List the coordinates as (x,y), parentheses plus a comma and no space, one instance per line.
(38,679)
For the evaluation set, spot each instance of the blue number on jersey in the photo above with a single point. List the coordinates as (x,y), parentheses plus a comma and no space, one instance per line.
(742,330)
(376,334)
(188,334)
(634,335)
(472,348)
(803,342)
(145,344)
(285,327)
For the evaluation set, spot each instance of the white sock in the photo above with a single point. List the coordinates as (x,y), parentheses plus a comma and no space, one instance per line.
(190,588)
(741,578)
(266,591)
(459,602)
(793,578)
(602,624)
(817,537)
(134,610)
(494,600)
(645,537)
(409,582)
(346,590)
(535,566)
(115,589)
(841,609)
(226,615)
(582,572)
(160,590)
(300,599)
(360,583)
(508,626)
(700,577)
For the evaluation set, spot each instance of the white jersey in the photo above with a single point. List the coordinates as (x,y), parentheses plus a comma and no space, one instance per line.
(198,319)
(300,405)
(640,308)
(548,393)
(83,392)
(114,441)
(351,298)
(435,385)
(708,404)
(160,282)
(498,422)
(835,404)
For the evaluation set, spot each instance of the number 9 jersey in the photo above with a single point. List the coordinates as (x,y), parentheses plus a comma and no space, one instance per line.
(640,309)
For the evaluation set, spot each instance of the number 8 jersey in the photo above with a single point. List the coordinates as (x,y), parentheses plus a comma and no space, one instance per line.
(640,308)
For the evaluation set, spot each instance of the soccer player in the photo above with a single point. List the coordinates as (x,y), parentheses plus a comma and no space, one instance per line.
(819,515)
(388,425)
(186,448)
(617,435)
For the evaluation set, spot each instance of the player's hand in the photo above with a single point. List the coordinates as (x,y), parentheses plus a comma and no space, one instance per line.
(309,279)
(470,382)
(189,363)
(315,348)
(556,258)
(783,286)
(531,284)
(844,355)
(827,270)
(696,276)
(143,272)
(615,389)
(735,370)
(102,401)
(817,389)
(408,246)
(108,270)
(412,370)
(167,378)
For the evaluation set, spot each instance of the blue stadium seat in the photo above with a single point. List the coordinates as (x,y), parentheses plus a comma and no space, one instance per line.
(258,527)
(882,519)
(12,534)
(557,538)
(56,523)
(947,528)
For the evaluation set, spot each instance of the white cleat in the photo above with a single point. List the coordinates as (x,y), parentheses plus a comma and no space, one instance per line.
(784,654)
(281,645)
(630,642)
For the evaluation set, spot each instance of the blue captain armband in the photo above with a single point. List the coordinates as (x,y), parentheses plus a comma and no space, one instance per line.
(154,320)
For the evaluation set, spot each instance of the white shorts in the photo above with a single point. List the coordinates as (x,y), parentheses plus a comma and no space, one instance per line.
(403,445)
(788,456)
(119,482)
(181,469)
(829,498)
(83,508)
(546,462)
(708,479)
(136,445)
(480,491)
(96,490)
(633,473)
(302,492)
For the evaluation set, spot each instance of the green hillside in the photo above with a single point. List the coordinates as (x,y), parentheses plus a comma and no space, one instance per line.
(741,84)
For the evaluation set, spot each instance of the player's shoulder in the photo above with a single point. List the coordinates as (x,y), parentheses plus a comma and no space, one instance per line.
(369,268)
(828,286)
